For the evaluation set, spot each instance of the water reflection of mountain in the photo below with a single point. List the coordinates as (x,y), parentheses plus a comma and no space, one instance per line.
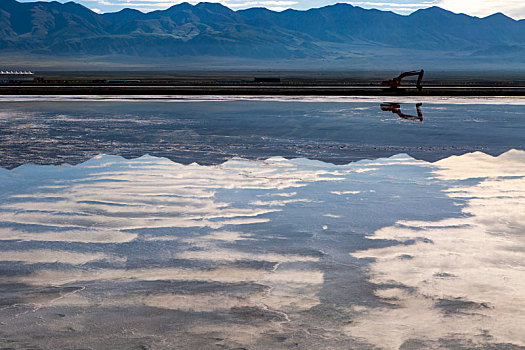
(264,254)
(211,132)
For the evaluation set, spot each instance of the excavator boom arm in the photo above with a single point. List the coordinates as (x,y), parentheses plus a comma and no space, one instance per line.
(396,82)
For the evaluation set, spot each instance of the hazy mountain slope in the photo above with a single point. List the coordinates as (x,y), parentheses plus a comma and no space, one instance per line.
(42,23)
(211,29)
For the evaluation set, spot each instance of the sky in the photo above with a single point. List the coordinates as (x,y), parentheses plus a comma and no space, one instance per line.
(480,8)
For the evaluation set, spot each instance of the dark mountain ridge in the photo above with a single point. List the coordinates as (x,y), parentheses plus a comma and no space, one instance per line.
(210,29)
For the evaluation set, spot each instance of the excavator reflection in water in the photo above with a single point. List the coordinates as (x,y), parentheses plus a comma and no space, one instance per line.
(396,109)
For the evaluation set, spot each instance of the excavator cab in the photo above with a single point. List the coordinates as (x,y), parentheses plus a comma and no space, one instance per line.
(396,82)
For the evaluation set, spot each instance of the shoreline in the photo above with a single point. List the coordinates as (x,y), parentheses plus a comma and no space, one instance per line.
(251,90)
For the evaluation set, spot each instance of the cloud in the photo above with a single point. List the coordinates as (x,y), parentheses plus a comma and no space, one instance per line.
(151,5)
(416,5)
(398,7)
(482,8)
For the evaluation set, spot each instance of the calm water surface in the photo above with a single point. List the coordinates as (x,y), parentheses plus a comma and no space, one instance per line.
(73,130)
(181,225)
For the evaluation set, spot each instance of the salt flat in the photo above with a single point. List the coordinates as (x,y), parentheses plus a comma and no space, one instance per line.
(419,246)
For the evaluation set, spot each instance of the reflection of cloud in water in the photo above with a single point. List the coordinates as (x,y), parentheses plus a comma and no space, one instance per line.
(148,193)
(53,256)
(86,236)
(265,244)
(462,277)
(285,296)
(481,165)
(224,275)
(225,236)
(111,200)
(340,193)
(232,255)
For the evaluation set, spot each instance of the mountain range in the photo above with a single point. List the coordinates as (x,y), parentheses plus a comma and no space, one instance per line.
(336,32)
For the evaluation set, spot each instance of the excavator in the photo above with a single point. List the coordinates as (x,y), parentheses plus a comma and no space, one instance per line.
(396,82)
(396,109)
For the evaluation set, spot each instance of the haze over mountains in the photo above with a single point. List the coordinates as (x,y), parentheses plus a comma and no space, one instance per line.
(337,33)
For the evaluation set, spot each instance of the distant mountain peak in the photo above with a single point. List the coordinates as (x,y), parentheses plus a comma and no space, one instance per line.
(434,10)
(129,10)
(124,15)
(182,5)
(212,6)
(341,4)
(499,16)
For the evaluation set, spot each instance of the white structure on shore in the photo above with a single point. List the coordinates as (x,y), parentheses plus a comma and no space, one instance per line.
(10,76)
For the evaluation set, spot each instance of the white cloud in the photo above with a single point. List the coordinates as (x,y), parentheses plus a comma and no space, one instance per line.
(97,10)
(482,8)
(416,5)
(271,5)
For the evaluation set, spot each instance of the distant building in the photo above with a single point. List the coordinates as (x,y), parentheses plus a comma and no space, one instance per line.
(12,76)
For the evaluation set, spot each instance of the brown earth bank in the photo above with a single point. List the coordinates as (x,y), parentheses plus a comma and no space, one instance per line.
(265,82)
(230,89)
